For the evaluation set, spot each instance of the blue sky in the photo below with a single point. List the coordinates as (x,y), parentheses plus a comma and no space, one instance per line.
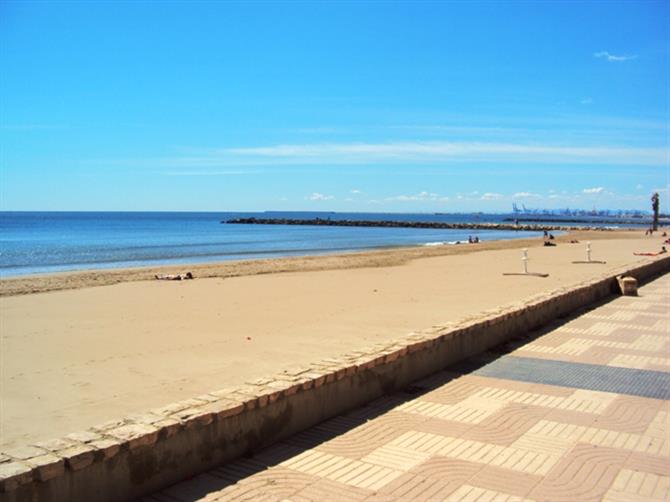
(339,106)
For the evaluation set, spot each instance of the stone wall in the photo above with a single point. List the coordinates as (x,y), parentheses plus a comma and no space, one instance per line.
(142,453)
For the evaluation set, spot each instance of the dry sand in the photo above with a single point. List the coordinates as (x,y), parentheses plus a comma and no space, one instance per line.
(72,358)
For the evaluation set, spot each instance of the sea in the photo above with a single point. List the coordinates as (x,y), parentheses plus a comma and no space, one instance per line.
(49,242)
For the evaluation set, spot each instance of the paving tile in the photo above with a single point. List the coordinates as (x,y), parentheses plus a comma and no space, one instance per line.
(654,464)
(629,414)
(419,489)
(360,441)
(507,425)
(442,427)
(396,457)
(632,485)
(447,469)
(585,473)
(469,493)
(621,380)
(327,490)
(571,417)
(505,481)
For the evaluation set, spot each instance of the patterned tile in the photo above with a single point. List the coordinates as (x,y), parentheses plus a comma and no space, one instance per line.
(655,384)
(507,425)
(585,473)
(505,481)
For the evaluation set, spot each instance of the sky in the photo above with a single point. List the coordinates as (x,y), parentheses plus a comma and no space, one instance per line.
(335,106)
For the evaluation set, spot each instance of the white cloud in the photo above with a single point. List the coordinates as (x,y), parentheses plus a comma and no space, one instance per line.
(587,101)
(355,191)
(208,173)
(31,127)
(611,57)
(319,196)
(421,196)
(441,151)
(639,186)
(593,190)
(491,196)
(317,130)
(527,195)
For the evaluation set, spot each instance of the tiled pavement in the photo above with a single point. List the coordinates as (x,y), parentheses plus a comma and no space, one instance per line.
(577,413)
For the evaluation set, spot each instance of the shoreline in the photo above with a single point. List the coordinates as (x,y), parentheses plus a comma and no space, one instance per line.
(378,257)
(85,355)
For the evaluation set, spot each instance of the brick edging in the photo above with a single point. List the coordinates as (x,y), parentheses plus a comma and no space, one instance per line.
(142,453)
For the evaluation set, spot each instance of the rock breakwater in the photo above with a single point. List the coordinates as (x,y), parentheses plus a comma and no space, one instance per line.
(407,224)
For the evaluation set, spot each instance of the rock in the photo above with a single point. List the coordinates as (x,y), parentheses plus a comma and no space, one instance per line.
(13,475)
(136,434)
(46,467)
(78,456)
(24,452)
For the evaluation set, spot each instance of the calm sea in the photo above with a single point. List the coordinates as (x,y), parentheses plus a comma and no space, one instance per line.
(45,242)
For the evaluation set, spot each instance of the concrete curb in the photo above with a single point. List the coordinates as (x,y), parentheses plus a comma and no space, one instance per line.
(143,453)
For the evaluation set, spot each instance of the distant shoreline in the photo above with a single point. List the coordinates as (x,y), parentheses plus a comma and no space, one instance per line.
(611,221)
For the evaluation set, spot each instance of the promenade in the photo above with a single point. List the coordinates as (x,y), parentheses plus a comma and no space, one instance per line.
(578,412)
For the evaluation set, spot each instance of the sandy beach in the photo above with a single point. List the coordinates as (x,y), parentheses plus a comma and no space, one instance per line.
(82,348)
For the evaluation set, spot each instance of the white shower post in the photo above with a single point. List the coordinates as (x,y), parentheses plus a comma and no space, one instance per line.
(524,258)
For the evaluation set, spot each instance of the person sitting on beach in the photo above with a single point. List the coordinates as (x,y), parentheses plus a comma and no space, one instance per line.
(174,277)
(551,237)
(470,241)
(549,243)
(662,251)
(574,241)
(476,240)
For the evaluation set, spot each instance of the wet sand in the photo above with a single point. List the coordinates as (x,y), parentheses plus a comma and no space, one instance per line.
(80,355)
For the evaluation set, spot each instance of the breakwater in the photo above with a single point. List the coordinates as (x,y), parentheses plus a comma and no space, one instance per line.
(324,222)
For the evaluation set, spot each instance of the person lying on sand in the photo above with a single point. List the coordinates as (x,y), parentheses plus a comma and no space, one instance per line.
(174,277)
(574,241)
(663,250)
(549,243)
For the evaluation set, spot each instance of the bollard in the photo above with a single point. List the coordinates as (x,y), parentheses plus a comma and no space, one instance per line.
(588,252)
(628,285)
(524,259)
